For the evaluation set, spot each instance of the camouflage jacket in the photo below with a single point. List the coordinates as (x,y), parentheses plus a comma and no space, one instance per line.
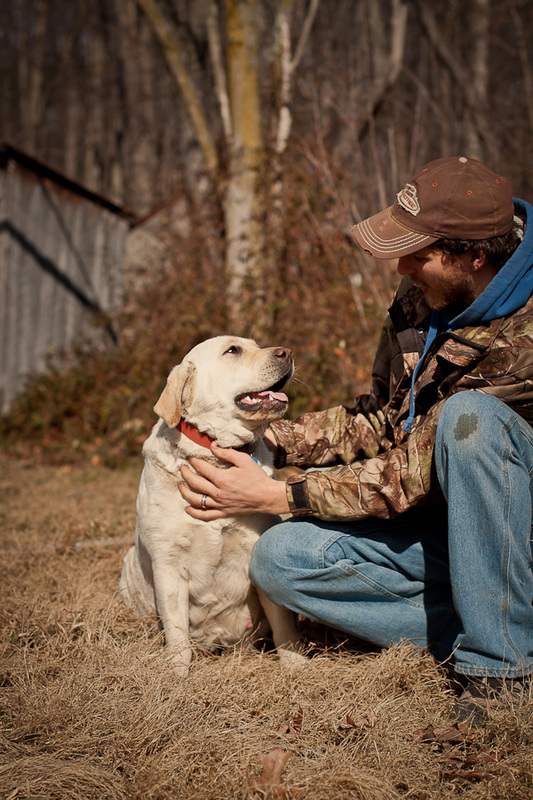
(373,467)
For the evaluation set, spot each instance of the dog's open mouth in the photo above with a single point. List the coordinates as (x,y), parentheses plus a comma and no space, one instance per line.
(265,401)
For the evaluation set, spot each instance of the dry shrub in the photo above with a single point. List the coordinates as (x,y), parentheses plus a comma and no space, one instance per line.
(89,708)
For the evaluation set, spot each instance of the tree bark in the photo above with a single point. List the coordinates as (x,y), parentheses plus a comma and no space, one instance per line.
(479,75)
(244,201)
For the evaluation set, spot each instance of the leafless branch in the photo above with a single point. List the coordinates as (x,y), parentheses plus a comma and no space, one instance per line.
(304,35)
(178,70)
(221,85)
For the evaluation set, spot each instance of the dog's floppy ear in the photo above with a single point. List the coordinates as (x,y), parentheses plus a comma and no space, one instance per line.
(179,387)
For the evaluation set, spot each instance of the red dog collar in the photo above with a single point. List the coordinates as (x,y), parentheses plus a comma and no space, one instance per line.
(203,439)
(194,434)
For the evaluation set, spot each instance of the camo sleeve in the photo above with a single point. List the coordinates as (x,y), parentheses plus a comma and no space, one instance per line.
(382,485)
(325,438)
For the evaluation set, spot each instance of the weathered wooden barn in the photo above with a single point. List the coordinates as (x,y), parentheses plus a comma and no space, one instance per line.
(61,267)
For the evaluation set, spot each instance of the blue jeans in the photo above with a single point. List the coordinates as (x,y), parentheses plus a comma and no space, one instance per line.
(461,584)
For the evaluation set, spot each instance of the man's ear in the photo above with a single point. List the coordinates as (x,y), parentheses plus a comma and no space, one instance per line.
(479,259)
(180,385)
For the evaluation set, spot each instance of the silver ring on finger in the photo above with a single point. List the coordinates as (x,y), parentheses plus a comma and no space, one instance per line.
(203,501)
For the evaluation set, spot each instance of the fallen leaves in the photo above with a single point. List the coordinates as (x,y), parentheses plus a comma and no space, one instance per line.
(289,730)
(354,726)
(463,757)
(268,785)
(459,733)
(368,720)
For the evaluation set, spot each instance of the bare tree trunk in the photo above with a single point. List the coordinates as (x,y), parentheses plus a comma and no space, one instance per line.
(237,92)
(244,202)
(94,111)
(136,172)
(73,124)
(288,63)
(31,73)
(523,52)
(479,75)
(221,83)
(178,68)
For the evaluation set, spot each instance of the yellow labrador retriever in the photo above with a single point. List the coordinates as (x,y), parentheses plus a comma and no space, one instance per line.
(195,573)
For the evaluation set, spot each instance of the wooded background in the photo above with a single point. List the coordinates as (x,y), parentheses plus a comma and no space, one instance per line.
(266,129)
(142,99)
(378,87)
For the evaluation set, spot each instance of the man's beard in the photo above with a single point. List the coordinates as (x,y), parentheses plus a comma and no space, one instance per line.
(457,287)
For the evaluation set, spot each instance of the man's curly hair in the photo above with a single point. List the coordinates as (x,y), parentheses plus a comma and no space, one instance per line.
(498,250)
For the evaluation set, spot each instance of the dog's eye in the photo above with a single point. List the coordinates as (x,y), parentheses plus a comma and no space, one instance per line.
(234,350)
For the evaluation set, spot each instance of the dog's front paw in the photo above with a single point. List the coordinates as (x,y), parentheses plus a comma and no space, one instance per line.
(180,670)
(180,662)
(291,660)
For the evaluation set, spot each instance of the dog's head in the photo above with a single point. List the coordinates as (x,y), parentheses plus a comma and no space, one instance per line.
(229,388)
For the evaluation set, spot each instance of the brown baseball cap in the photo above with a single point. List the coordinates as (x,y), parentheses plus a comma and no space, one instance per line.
(456,198)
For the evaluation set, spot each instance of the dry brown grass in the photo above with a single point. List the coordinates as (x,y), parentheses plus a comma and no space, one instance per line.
(89,708)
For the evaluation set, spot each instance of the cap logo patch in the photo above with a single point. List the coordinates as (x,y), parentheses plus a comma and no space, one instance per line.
(408,199)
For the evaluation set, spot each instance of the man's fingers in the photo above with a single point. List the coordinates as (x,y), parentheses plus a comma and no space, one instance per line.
(194,495)
(214,492)
(210,471)
(201,468)
(199,504)
(228,454)
(205,516)
(196,481)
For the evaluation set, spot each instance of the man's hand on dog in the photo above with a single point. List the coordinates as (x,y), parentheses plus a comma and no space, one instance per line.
(243,488)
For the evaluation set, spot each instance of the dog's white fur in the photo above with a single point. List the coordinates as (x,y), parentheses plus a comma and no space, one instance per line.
(195,573)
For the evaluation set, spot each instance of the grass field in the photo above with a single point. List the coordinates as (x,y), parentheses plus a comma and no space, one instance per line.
(90,709)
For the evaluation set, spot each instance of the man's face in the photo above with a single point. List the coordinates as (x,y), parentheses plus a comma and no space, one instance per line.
(443,279)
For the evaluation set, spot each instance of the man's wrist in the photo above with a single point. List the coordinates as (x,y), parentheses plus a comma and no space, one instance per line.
(278,500)
(297,496)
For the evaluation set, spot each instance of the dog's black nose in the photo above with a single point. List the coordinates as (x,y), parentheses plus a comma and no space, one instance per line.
(283,353)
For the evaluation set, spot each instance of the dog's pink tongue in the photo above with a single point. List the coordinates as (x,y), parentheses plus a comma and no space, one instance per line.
(275,395)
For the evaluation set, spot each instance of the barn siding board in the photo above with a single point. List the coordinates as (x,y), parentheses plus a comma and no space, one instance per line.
(61,266)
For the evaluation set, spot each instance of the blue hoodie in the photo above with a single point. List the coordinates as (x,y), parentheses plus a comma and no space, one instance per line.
(509,290)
